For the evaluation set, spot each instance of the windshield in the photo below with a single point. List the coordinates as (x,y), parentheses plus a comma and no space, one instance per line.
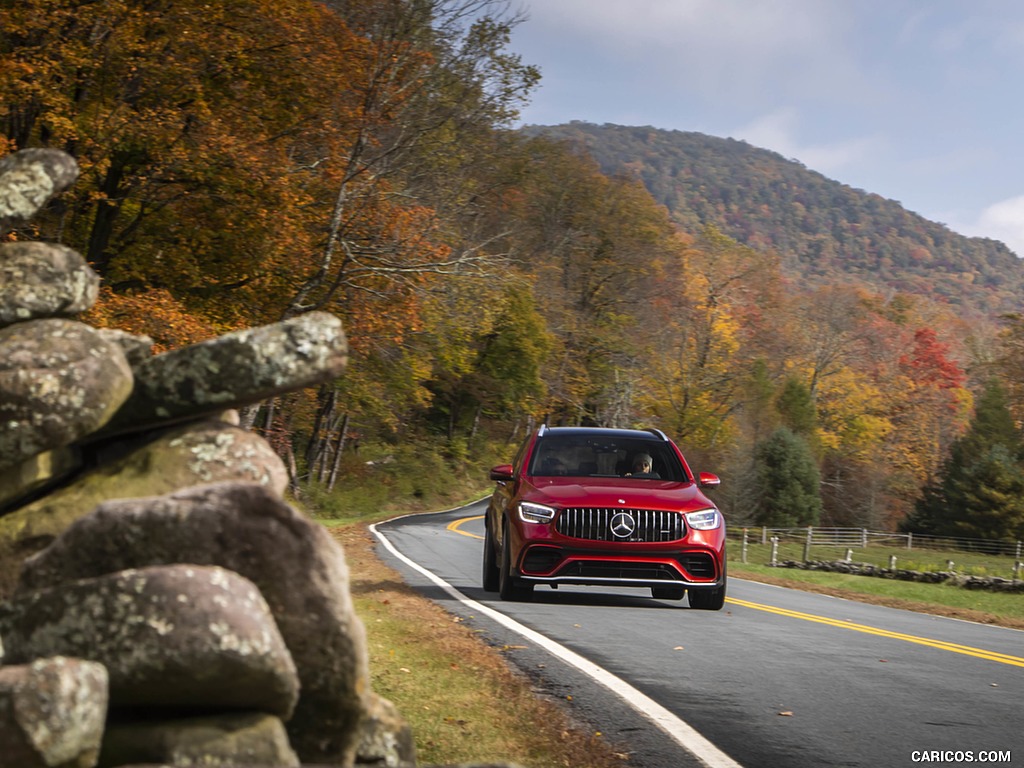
(581,456)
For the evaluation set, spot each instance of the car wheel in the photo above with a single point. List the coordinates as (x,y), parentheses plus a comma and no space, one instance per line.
(491,576)
(508,589)
(668,593)
(708,599)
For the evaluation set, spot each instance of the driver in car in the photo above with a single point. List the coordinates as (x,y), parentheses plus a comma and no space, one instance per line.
(643,467)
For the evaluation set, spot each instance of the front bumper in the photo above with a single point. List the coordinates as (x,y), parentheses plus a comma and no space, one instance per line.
(548,564)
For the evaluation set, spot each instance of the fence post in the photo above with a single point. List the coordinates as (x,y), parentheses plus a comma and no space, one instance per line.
(864,538)
(775,550)
(743,556)
(764,534)
(910,541)
(807,544)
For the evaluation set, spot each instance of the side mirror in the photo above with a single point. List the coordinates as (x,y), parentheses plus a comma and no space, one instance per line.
(502,473)
(708,480)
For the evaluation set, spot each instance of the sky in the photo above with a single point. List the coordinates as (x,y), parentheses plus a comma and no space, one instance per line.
(919,101)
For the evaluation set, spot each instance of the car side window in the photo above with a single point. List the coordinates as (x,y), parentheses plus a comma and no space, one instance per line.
(517,462)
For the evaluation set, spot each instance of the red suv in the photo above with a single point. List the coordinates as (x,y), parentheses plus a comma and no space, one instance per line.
(615,507)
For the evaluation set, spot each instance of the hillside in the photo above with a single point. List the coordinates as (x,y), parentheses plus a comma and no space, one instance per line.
(822,229)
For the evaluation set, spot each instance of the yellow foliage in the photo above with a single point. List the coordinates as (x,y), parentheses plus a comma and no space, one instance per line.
(852,414)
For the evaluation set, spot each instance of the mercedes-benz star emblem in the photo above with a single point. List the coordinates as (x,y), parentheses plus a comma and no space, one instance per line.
(622,525)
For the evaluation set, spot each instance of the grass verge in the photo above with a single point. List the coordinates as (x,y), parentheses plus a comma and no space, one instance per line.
(1003,609)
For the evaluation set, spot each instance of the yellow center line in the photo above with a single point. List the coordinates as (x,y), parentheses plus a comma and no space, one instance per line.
(1003,658)
(455,524)
(966,650)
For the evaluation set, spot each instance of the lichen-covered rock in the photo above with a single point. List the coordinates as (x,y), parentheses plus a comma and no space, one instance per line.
(194,453)
(59,381)
(385,738)
(236,369)
(35,472)
(40,280)
(137,348)
(180,637)
(29,178)
(298,566)
(232,739)
(52,713)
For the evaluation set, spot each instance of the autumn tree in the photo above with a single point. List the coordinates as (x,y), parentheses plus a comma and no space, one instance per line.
(1008,362)
(703,325)
(594,245)
(186,120)
(488,366)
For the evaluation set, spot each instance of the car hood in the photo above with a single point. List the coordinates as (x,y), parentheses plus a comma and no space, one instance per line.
(616,492)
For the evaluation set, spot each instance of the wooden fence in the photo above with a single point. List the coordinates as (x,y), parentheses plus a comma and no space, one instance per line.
(884,548)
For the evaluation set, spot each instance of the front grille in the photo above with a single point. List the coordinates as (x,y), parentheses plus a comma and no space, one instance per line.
(615,524)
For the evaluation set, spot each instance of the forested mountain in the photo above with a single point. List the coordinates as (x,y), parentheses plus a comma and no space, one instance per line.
(821,229)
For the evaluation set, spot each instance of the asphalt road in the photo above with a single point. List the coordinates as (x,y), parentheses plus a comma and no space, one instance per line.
(778,678)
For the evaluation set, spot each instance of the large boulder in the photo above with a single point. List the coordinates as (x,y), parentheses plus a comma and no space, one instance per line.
(22,480)
(39,280)
(180,637)
(298,566)
(59,381)
(52,713)
(226,739)
(194,453)
(29,178)
(385,738)
(235,369)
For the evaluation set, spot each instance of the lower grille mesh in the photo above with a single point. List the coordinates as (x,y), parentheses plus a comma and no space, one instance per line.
(616,524)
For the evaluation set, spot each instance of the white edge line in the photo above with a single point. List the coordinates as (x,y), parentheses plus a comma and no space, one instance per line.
(679,730)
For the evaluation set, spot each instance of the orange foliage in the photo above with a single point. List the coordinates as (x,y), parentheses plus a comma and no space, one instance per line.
(153,313)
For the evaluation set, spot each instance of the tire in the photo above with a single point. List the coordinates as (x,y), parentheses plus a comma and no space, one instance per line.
(508,589)
(708,599)
(491,575)
(668,593)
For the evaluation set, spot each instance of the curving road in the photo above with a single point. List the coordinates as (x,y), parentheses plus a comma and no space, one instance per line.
(779,678)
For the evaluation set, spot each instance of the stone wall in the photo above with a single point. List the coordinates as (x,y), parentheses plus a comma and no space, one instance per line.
(952,578)
(161,602)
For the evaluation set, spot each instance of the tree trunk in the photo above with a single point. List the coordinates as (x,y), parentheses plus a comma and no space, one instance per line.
(327,397)
(339,447)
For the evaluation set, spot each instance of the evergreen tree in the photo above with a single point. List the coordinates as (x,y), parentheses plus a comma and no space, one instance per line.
(788,481)
(980,489)
(796,407)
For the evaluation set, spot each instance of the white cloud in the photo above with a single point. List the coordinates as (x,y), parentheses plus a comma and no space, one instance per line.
(1004,221)
(779,130)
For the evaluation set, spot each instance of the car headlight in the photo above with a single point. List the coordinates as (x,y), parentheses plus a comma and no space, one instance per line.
(705,520)
(535,513)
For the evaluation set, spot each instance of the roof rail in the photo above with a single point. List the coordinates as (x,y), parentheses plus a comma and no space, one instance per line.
(542,430)
(658,433)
